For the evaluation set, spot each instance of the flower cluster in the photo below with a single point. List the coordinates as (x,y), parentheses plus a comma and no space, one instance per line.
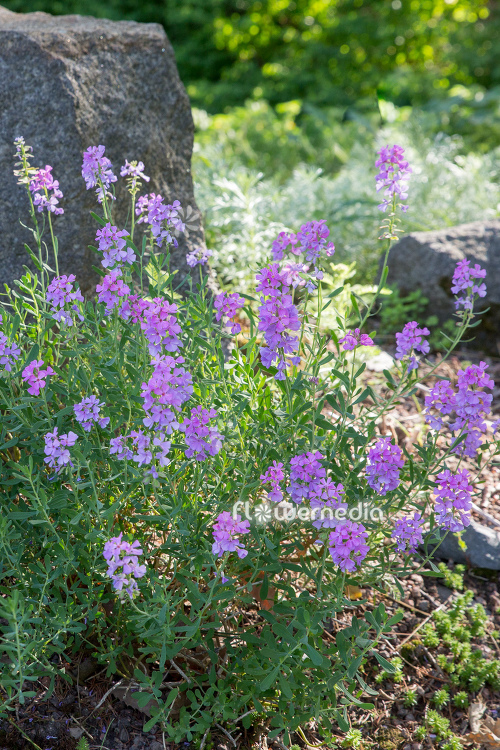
(124,555)
(347,545)
(464,280)
(42,183)
(57,449)
(325,498)
(198,256)
(158,321)
(453,500)
(471,406)
(60,292)
(407,533)
(169,387)
(310,240)
(164,218)
(97,171)
(410,340)
(305,472)
(146,449)
(201,437)
(111,289)
(393,176)
(160,326)
(274,476)
(134,170)
(225,531)
(228,304)
(355,338)
(384,462)
(113,245)
(36,377)
(277,316)
(87,413)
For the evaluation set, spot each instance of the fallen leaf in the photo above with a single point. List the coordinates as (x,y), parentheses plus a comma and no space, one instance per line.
(476,711)
(353,592)
(485,732)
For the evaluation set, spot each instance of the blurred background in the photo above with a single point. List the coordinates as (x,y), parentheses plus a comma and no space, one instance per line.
(291,98)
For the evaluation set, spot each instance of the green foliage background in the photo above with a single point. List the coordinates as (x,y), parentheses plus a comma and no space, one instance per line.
(327,52)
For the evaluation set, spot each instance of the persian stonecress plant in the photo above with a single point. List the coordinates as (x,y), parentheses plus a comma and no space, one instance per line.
(191,480)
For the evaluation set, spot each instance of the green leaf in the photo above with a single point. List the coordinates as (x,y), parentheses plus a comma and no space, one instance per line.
(269,680)
(386,665)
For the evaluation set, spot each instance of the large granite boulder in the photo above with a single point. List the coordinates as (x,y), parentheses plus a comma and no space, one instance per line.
(426,261)
(70,82)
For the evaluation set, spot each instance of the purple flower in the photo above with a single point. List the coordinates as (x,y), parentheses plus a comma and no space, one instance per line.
(310,240)
(134,170)
(87,413)
(113,246)
(41,183)
(453,500)
(274,475)
(305,473)
(146,449)
(408,533)
(169,387)
(117,445)
(229,304)
(97,171)
(111,289)
(158,321)
(475,375)
(326,500)
(393,176)
(384,462)
(355,338)
(441,398)
(60,292)
(470,405)
(201,437)
(464,281)
(164,219)
(346,544)
(198,256)
(35,376)
(124,555)
(225,531)
(277,316)
(9,353)
(159,324)
(411,339)
(57,449)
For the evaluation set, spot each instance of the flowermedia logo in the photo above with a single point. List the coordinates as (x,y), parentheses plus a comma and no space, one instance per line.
(284,512)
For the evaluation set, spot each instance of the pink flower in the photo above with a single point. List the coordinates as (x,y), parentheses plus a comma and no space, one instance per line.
(35,376)
(346,544)
(355,338)
(225,531)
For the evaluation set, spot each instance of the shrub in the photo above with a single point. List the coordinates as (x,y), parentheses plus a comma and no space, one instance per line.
(131,447)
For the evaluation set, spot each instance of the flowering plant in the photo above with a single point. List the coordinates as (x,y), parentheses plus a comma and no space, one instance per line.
(143,424)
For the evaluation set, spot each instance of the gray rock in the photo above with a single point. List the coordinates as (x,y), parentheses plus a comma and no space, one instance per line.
(426,261)
(70,82)
(483,547)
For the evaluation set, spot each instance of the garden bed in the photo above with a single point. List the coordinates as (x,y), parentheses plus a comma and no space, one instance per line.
(79,710)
